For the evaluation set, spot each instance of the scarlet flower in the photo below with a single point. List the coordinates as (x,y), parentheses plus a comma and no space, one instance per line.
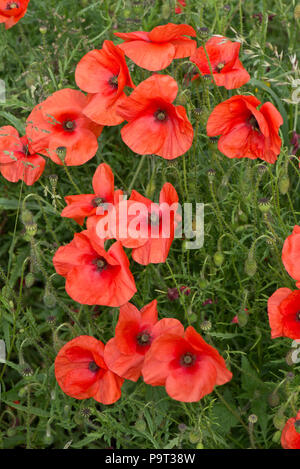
(290,437)
(155,50)
(93,275)
(186,365)
(58,128)
(104,74)
(154,226)
(135,331)
(178,8)
(17,160)
(284,313)
(11,11)
(291,254)
(246,132)
(224,64)
(155,125)
(81,371)
(86,205)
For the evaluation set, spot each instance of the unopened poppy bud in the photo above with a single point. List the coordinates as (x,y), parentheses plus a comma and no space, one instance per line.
(26,217)
(242,317)
(297,12)
(166,10)
(202,283)
(276,437)
(194,437)
(193,317)
(49,300)
(61,153)
(218,258)
(53,178)
(206,326)
(22,391)
(273,399)
(181,99)
(140,425)
(31,229)
(279,420)
(264,205)
(250,266)
(29,280)
(211,174)
(199,445)
(297,426)
(290,376)
(252,418)
(284,184)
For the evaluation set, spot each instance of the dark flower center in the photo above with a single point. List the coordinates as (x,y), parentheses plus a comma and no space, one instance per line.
(220,67)
(254,124)
(25,150)
(93,367)
(160,115)
(12,5)
(69,125)
(143,339)
(188,359)
(113,81)
(97,201)
(298,316)
(100,263)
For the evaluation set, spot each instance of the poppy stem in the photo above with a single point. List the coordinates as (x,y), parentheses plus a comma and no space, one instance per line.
(136,172)
(71,179)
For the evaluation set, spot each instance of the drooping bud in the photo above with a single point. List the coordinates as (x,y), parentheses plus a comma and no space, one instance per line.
(29,280)
(218,258)
(284,184)
(273,399)
(250,265)
(242,318)
(49,300)
(194,437)
(279,420)
(26,217)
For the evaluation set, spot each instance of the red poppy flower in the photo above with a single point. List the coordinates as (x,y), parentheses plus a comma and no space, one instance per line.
(150,227)
(291,254)
(93,275)
(58,128)
(135,331)
(246,132)
(86,205)
(104,74)
(11,11)
(81,371)
(156,50)
(186,365)
(227,70)
(17,161)
(178,8)
(284,313)
(290,437)
(155,125)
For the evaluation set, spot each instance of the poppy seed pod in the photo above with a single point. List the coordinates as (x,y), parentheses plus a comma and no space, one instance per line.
(31,229)
(264,205)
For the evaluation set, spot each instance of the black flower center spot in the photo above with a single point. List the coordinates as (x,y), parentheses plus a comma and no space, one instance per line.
(93,367)
(160,115)
(154,218)
(220,67)
(188,359)
(143,338)
(100,264)
(97,201)
(69,126)
(25,150)
(113,81)
(298,316)
(254,124)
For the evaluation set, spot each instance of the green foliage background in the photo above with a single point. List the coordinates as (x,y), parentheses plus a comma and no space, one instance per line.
(38,57)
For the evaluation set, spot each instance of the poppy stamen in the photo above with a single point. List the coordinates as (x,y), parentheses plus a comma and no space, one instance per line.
(98,201)
(298,316)
(100,264)
(113,81)
(69,125)
(93,367)
(143,339)
(12,5)
(188,359)
(160,115)
(220,67)
(253,123)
